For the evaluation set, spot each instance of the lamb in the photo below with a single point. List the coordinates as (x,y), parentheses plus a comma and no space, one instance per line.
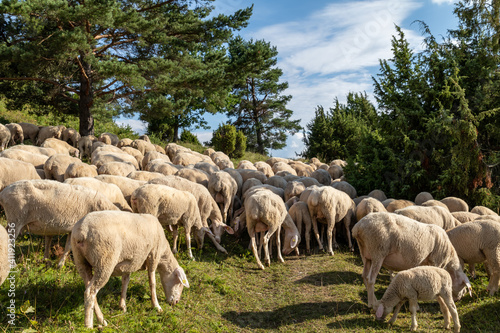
(111,191)
(299,212)
(430,215)
(265,211)
(172,207)
(4,254)
(334,206)
(30,131)
(49,208)
(109,138)
(4,137)
(223,188)
(118,243)
(367,206)
(61,147)
(16,133)
(425,283)
(79,169)
(455,204)
(37,160)
(12,170)
(126,185)
(398,243)
(56,166)
(477,242)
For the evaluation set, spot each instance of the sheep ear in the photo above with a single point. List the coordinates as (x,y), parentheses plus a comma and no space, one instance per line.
(228,229)
(469,287)
(182,277)
(236,224)
(380,311)
(208,231)
(294,241)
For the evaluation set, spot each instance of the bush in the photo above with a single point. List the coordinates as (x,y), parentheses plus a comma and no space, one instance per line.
(224,139)
(240,146)
(187,136)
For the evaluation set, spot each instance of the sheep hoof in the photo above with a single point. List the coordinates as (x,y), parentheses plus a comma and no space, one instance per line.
(160,310)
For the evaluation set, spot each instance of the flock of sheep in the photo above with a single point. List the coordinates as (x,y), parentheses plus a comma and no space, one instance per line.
(133,190)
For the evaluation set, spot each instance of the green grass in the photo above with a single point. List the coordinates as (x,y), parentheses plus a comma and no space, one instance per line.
(227,294)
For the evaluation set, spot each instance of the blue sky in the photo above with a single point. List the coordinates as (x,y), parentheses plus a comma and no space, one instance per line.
(329,48)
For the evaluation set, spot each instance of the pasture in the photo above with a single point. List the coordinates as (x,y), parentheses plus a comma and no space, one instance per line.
(227,293)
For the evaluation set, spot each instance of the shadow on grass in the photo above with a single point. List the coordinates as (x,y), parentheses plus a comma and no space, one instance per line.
(332,278)
(483,318)
(292,314)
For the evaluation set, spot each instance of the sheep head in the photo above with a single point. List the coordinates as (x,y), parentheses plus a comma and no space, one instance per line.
(173,282)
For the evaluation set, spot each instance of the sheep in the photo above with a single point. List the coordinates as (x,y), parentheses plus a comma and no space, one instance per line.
(223,163)
(116,168)
(134,152)
(433,202)
(378,194)
(398,243)
(173,149)
(345,187)
(335,171)
(282,166)
(478,242)
(430,215)
(61,147)
(367,206)
(144,175)
(111,191)
(322,176)
(13,170)
(48,208)
(339,162)
(424,283)
(464,217)
(153,155)
(276,190)
(30,131)
(315,161)
(294,189)
(145,137)
(37,160)
(264,168)
(481,210)
(276,181)
(162,166)
(333,206)
(172,207)
(185,159)
(398,204)
(49,132)
(271,161)
(16,133)
(237,177)
(4,137)
(71,135)
(245,164)
(194,175)
(265,211)
(455,204)
(108,138)
(126,185)
(208,168)
(99,147)
(85,145)
(223,188)
(4,254)
(79,169)
(118,243)
(247,174)
(206,204)
(159,149)
(143,146)
(299,212)
(102,157)
(357,200)
(124,143)
(56,166)
(302,169)
(423,197)
(249,183)
(307,181)
(36,150)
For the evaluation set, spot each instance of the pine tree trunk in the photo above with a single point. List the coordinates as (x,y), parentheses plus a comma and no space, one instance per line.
(86,99)
(176,128)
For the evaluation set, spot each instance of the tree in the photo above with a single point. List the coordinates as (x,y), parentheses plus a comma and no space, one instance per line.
(108,51)
(259,109)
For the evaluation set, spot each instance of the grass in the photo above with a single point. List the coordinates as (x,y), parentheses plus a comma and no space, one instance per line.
(227,294)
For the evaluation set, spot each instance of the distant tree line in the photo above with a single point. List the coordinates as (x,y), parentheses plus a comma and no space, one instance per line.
(436,127)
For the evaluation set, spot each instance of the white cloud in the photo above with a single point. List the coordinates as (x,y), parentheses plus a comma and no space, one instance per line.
(440,2)
(137,125)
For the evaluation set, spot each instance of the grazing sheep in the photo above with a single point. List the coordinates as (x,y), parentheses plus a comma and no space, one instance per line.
(85,145)
(124,143)
(49,132)
(118,243)
(49,208)
(55,167)
(357,200)
(194,175)
(339,162)
(144,175)
(266,212)
(153,155)
(108,138)
(4,254)
(282,166)
(276,190)
(302,169)
(247,174)
(134,152)
(464,217)
(223,163)
(223,188)
(271,161)
(35,150)
(116,168)
(264,168)
(4,137)
(398,204)
(145,138)
(102,157)
(430,203)
(455,204)
(208,168)
(423,197)
(333,206)
(430,215)
(71,136)
(237,177)
(79,169)
(61,147)
(111,191)
(398,243)
(172,207)
(367,206)
(12,170)
(378,194)
(276,181)
(345,187)
(481,210)
(294,189)
(335,171)
(37,160)
(16,133)
(322,176)
(249,183)
(424,283)
(126,185)
(185,158)
(299,212)
(307,181)
(30,131)
(173,149)
(478,242)
(143,146)
(159,149)
(162,166)
(245,164)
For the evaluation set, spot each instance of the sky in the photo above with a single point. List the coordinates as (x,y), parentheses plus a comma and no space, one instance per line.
(327,49)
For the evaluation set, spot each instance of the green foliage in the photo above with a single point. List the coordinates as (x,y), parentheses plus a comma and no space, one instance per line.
(240,145)
(224,139)
(187,136)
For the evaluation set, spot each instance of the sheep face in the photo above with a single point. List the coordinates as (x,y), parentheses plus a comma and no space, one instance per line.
(382,311)
(461,285)
(173,283)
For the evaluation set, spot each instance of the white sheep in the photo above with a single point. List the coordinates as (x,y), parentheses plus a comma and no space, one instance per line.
(61,147)
(424,283)
(30,131)
(398,243)
(16,133)
(48,132)
(116,168)
(37,160)
(367,206)
(144,175)
(172,207)
(477,242)
(79,169)
(430,215)
(35,149)
(223,188)
(118,243)
(12,170)
(299,212)
(153,155)
(162,166)
(194,175)
(49,208)
(4,254)
(482,210)
(56,166)
(266,212)
(126,185)
(276,181)
(109,138)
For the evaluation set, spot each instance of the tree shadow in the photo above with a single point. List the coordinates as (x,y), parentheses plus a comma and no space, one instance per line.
(292,314)
(482,318)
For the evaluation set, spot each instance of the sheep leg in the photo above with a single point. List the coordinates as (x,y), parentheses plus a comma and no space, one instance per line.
(298,223)
(370,272)
(175,235)
(445,311)
(259,240)
(413,311)
(188,241)
(251,233)
(125,282)
(265,241)
(90,296)
(216,244)
(396,312)
(152,287)
(347,225)
(472,270)
(278,244)
(67,249)
(330,232)
(448,301)
(316,232)
(308,237)
(46,253)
